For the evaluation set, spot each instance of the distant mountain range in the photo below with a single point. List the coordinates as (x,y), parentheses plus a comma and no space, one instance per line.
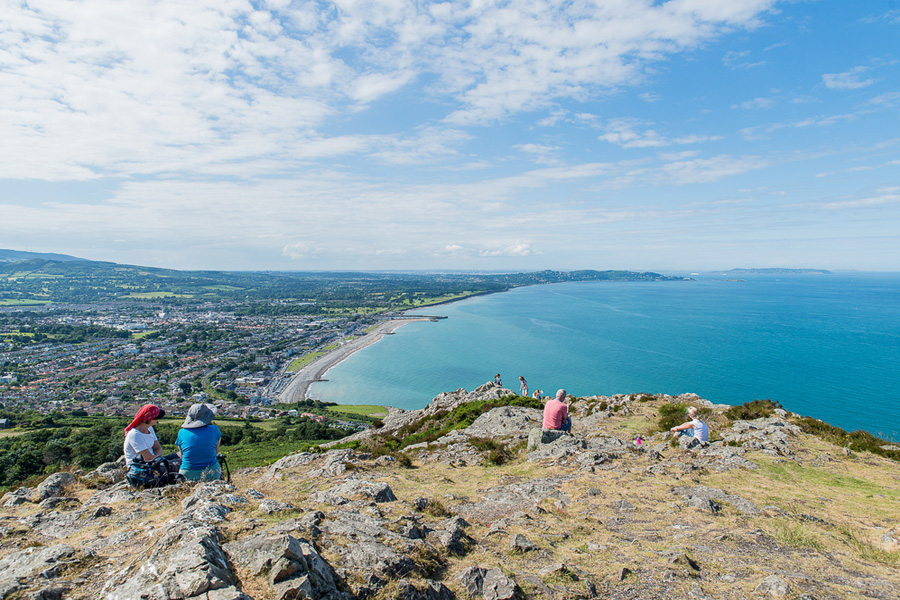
(31,277)
(17,256)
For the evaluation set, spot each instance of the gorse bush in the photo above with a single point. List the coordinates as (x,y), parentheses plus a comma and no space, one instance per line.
(857,441)
(756,409)
(432,427)
(673,414)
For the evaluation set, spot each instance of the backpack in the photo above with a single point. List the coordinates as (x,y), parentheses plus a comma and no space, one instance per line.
(159,472)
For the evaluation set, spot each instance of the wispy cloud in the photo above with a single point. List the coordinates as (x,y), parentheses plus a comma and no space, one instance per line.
(740,60)
(848,80)
(628,133)
(884,196)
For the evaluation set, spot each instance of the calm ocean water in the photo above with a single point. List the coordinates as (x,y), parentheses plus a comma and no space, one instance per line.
(823,345)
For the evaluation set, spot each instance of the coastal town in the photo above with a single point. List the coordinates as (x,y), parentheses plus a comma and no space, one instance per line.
(171,355)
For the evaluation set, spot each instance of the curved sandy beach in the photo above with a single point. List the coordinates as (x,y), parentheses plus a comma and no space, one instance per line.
(299,385)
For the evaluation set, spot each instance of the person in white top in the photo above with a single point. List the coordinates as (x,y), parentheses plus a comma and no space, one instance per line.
(140,439)
(695,427)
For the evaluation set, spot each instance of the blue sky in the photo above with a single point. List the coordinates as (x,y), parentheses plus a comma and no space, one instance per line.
(679,135)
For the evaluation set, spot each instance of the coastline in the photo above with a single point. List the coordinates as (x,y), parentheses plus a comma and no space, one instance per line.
(299,385)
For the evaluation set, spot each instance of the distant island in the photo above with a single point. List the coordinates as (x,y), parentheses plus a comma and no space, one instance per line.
(779,271)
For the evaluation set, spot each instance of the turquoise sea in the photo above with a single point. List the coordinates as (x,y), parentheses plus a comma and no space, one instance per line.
(823,345)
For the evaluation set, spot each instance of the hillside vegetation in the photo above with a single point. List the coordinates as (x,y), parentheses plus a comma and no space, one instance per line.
(467,498)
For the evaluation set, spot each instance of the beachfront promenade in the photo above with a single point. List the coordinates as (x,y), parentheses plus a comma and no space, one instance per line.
(298,387)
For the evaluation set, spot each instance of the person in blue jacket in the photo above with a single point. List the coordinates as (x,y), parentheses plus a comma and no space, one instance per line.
(198,440)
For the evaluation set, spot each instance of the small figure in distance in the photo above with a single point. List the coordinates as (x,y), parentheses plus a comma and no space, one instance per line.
(198,440)
(497,381)
(538,394)
(695,427)
(523,386)
(556,413)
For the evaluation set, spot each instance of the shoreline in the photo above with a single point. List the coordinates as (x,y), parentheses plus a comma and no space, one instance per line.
(300,383)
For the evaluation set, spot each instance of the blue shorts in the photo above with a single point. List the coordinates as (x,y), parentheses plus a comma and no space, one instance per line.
(208,474)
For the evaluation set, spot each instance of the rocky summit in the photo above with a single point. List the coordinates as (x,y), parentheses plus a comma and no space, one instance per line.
(469,498)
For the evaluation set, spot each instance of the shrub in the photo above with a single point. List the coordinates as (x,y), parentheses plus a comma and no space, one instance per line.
(602,405)
(377,424)
(857,441)
(674,414)
(756,409)
(671,415)
(404,460)
(436,508)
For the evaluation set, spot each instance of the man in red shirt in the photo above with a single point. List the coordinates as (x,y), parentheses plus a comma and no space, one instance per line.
(556,413)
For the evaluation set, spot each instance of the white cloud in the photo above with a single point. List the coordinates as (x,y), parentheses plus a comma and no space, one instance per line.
(884,197)
(541,153)
(755,103)
(848,80)
(628,134)
(297,250)
(518,248)
(738,60)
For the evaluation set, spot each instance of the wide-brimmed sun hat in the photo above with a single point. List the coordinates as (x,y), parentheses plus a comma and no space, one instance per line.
(199,415)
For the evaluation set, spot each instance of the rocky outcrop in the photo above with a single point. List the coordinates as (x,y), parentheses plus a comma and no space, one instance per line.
(592,514)
(292,566)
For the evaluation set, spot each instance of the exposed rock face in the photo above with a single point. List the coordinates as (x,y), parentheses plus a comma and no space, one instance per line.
(187,562)
(505,421)
(293,567)
(700,494)
(771,436)
(490,584)
(587,515)
(35,562)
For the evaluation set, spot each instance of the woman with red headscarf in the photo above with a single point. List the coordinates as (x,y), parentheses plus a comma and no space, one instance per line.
(140,439)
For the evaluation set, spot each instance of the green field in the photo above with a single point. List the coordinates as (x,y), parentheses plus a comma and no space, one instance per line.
(299,363)
(20,302)
(369,410)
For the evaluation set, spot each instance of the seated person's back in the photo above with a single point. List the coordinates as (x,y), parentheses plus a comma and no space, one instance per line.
(199,441)
(556,413)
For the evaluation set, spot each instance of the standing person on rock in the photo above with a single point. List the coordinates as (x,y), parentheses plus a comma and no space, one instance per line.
(523,386)
(556,413)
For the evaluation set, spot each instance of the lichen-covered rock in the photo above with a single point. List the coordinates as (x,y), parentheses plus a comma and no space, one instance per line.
(773,586)
(35,562)
(505,421)
(269,506)
(507,500)
(52,486)
(490,584)
(702,492)
(350,488)
(184,563)
(429,590)
(292,566)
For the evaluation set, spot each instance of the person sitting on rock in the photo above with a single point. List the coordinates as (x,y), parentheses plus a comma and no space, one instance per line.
(140,438)
(695,427)
(497,380)
(147,467)
(198,440)
(556,413)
